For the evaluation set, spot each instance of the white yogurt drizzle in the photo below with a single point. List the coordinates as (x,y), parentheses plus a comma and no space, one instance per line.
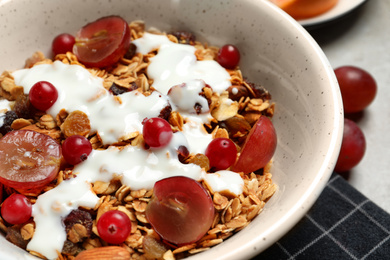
(113,120)
(79,90)
(177,63)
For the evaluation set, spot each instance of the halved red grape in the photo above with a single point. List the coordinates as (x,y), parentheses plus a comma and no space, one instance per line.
(358,88)
(228,56)
(63,43)
(103,42)
(76,149)
(222,153)
(181,211)
(43,95)
(29,160)
(353,147)
(114,226)
(16,209)
(157,132)
(259,147)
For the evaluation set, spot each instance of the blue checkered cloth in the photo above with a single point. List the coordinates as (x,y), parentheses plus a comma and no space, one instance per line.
(342,224)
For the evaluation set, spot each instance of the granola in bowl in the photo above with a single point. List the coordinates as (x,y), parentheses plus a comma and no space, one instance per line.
(110,107)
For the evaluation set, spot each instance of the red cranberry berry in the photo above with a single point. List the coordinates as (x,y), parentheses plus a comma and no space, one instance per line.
(114,226)
(63,43)
(16,209)
(43,95)
(228,56)
(157,132)
(222,153)
(76,149)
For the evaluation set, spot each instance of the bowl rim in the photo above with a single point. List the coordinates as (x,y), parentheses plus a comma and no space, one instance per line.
(303,205)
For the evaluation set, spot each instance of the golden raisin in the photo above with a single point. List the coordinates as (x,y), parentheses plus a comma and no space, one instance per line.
(201,160)
(77,123)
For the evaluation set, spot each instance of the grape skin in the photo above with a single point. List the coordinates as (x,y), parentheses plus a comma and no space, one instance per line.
(353,147)
(222,153)
(358,88)
(181,211)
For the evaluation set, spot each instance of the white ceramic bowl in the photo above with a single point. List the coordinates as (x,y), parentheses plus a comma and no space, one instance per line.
(276,52)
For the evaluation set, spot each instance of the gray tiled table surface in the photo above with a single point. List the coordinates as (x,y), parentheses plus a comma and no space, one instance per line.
(363,39)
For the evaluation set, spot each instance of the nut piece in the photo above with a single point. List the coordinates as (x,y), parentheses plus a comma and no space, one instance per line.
(103,253)
(224,107)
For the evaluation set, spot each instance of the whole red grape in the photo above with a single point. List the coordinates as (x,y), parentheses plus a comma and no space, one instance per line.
(353,147)
(358,88)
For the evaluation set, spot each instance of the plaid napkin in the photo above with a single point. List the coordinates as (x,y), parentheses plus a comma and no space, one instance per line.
(342,224)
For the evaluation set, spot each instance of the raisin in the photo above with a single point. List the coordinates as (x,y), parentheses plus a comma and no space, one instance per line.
(76,123)
(198,108)
(71,248)
(130,51)
(184,37)
(15,237)
(259,91)
(118,90)
(23,107)
(165,112)
(7,120)
(154,249)
(133,86)
(78,216)
(201,160)
(183,153)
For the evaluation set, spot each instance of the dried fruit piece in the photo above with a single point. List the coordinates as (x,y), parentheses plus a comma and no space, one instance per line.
(81,218)
(7,120)
(154,249)
(15,237)
(184,37)
(76,123)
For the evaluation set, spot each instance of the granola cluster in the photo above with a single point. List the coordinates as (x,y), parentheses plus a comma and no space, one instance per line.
(234,121)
